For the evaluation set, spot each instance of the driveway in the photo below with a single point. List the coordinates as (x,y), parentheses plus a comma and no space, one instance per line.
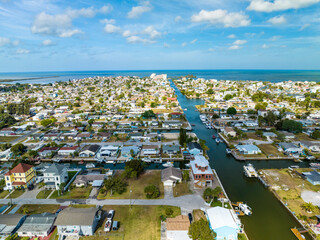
(31,193)
(168,192)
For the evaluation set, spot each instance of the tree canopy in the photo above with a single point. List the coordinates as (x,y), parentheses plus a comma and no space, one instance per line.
(290,125)
(133,168)
(200,230)
(231,111)
(152,191)
(148,114)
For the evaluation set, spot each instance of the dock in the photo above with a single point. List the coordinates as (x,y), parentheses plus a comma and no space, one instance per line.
(297,234)
(263,181)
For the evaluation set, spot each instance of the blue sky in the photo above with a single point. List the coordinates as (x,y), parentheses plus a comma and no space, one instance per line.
(54,35)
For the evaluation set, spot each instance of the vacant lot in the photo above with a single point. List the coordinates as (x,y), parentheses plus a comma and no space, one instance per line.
(16,193)
(44,194)
(270,151)
(137,186)
(4,193)
(136,222)
(181,189)
(36,208)
(75,193)
(8,138)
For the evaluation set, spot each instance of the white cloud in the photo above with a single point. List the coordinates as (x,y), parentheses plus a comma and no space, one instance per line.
(194,41)
(126,33)
(183,44)
(47,42)
(166,45)
(60,24)
(278,20)
(231,36)
(178,18)
(235,47)
(265,46)
(4,41)
(16,43)
(70,33)
(151,32)
(239,42)
(304,27)
(137,39)
(211,49)
(279,5)
(139,10)
(22,51)
(110,28)
(275,38)
(232,19)
(106,9)
(106,21)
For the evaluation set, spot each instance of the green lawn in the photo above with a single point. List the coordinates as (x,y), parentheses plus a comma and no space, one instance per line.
(270,150)
(136,222)
(137,186)
(8,138)
(44,194)
(3,194)
(37,208)
(16,194)
(75,193)
(181,189)
(303,137)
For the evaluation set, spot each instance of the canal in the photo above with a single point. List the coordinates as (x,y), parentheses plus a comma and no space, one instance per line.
(270,220)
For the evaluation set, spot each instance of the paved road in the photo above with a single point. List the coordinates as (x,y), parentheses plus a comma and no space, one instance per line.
(33,131)
(188,202)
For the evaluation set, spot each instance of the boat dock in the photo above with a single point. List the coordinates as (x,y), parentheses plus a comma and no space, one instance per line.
(297,233)
(263,181)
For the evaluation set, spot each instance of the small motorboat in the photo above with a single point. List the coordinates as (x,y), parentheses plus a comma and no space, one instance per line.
(107,227)
(168,164)
(228,150)
(245,209)
(214,136)
(90,165)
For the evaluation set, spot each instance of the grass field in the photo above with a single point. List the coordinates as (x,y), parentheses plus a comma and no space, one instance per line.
(75,193)
(303,137)
(136,222)
(270,150)
(8,138)
(181,189)
(4,193)
(16,193)
(137,186)
(44,194)
(37,208)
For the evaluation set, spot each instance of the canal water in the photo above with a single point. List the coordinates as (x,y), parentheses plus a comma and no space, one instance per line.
(270,219)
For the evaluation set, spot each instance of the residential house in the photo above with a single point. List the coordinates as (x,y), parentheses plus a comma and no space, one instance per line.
(172,124)
(248,149)
(54,176)
(47,151)
(224,223)
(229,131)
(21,176)
(78,221)
(170,149)
(150,150)
(10,223)
(170,176)
(311,146)
(127,150)
(313,177)
(178,227)
(287,135)
(37,225)
(194,148)
(67,151)
(135,136)
(202,173)
(289,148)
(108,151)
(89,179)
(89,150)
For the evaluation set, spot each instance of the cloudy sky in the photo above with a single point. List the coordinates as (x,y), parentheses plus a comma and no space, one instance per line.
(50,35)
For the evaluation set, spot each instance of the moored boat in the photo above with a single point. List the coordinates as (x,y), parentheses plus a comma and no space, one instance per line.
(250,171)
(228,150)
(168,164)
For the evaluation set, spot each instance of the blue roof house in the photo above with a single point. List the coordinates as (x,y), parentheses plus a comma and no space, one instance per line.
(312,177)
(248,149)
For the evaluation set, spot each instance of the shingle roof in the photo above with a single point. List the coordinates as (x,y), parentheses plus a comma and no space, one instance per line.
(20,168)
(10,219)
(179,223)
(169,172)
(76,216)
(55,168)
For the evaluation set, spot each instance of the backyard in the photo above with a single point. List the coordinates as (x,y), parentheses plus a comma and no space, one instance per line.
(136,222)
(74,193)
(137,186)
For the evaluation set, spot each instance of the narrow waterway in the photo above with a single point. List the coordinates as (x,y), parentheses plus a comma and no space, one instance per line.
(270,219)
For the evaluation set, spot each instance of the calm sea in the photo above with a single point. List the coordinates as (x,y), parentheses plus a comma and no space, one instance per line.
(258,75)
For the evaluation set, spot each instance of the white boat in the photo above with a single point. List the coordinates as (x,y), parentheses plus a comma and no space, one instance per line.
(100,160)
(203,118)
(107,226)
(148,160)
(90,165)
(187,165)
(57,160)
(228,150)
(168,164)
(245,209)
(315,165)
(250,171)
(310,157)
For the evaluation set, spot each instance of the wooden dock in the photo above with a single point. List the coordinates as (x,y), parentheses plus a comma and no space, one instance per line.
(297,234)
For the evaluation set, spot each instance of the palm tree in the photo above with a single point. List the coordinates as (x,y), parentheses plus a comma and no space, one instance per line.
(308,207)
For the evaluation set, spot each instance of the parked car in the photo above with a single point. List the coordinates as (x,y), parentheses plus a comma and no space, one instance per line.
(110,215)
(190,217)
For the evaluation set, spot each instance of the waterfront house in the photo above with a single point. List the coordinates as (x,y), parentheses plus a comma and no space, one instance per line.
(21,176)
(78,221)
(248,149)
(108,151)
(10,223)
(194,148)
(135,135)
(67,151)
(89,179)
(287,135)
(178,227)
(229,131)
(89,150)
(127,150)
(47,151)
(202,173)
(170,149)
(223,222)
(313,177)
(289,148)
(54,175)
(37,225)
(311,146)
(170,176)
(150,150)
(172,124)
